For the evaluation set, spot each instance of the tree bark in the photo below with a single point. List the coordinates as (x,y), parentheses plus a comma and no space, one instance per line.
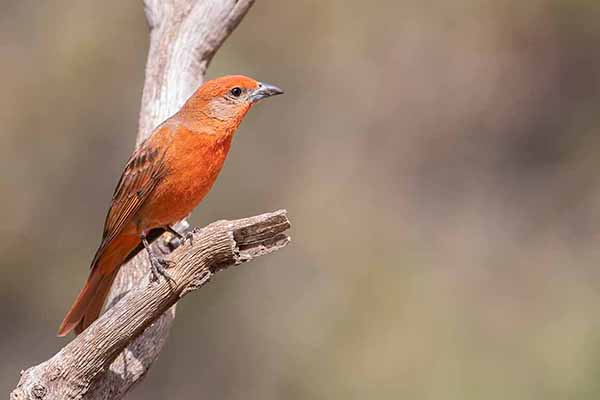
(114,354)
(85,368)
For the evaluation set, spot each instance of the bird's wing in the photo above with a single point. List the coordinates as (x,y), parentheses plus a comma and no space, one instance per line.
(143,171)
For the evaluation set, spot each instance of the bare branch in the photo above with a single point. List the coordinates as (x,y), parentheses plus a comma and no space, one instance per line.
(78,370)
(184,35)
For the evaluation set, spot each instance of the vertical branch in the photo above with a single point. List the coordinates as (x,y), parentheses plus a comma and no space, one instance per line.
(184,36)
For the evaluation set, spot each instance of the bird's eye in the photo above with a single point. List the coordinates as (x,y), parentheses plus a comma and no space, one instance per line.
(236,91)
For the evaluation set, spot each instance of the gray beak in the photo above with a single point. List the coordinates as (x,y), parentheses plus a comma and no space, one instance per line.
(264,90)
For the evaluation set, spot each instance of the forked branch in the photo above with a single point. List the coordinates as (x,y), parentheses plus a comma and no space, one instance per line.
(115,353)
(78,370)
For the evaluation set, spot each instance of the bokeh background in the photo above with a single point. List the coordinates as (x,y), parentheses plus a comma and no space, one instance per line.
(439,161)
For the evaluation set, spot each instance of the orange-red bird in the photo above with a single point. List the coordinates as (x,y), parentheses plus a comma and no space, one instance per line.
(164,179)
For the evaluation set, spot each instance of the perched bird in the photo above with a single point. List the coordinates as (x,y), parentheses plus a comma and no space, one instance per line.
(164,179)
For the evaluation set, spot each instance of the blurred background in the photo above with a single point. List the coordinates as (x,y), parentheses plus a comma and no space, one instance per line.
(439,162)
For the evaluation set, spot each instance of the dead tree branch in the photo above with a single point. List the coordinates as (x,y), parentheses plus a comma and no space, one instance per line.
(115,353)
(81,368)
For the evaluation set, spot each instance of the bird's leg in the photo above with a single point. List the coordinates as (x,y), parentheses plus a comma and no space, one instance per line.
(158,265)
(175,233)
(182,237)
(178,240)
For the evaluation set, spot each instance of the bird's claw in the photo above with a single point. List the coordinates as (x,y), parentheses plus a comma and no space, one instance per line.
(189,236)
(158,268)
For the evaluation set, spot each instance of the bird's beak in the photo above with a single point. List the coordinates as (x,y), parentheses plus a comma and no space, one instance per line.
(264,90)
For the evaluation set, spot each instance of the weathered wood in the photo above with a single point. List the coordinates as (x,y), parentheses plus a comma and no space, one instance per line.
(184,36)
(81,368)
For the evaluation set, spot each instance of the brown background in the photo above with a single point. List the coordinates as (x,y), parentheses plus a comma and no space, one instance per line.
(439,161)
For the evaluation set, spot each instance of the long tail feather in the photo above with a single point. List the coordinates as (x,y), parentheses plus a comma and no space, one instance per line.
(91,298)
(88,304)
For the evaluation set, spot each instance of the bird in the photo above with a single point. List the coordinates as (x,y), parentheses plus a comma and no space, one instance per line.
(165,178)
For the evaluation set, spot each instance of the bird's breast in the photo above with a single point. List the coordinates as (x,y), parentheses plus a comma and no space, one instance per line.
(193,163)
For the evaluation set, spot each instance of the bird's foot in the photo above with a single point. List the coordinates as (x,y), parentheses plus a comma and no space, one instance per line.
(189,236)
(158,268)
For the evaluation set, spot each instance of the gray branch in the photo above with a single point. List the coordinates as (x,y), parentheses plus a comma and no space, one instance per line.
(81,368)
(114,354)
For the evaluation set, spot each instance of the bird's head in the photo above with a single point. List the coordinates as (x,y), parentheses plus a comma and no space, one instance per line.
(226,100)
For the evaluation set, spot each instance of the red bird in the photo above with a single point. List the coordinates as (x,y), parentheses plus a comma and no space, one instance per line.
(165,178)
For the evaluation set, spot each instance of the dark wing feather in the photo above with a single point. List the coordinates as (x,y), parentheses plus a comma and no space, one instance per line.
(142,172)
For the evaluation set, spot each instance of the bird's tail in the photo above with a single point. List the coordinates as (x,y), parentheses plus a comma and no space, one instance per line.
(91,298)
